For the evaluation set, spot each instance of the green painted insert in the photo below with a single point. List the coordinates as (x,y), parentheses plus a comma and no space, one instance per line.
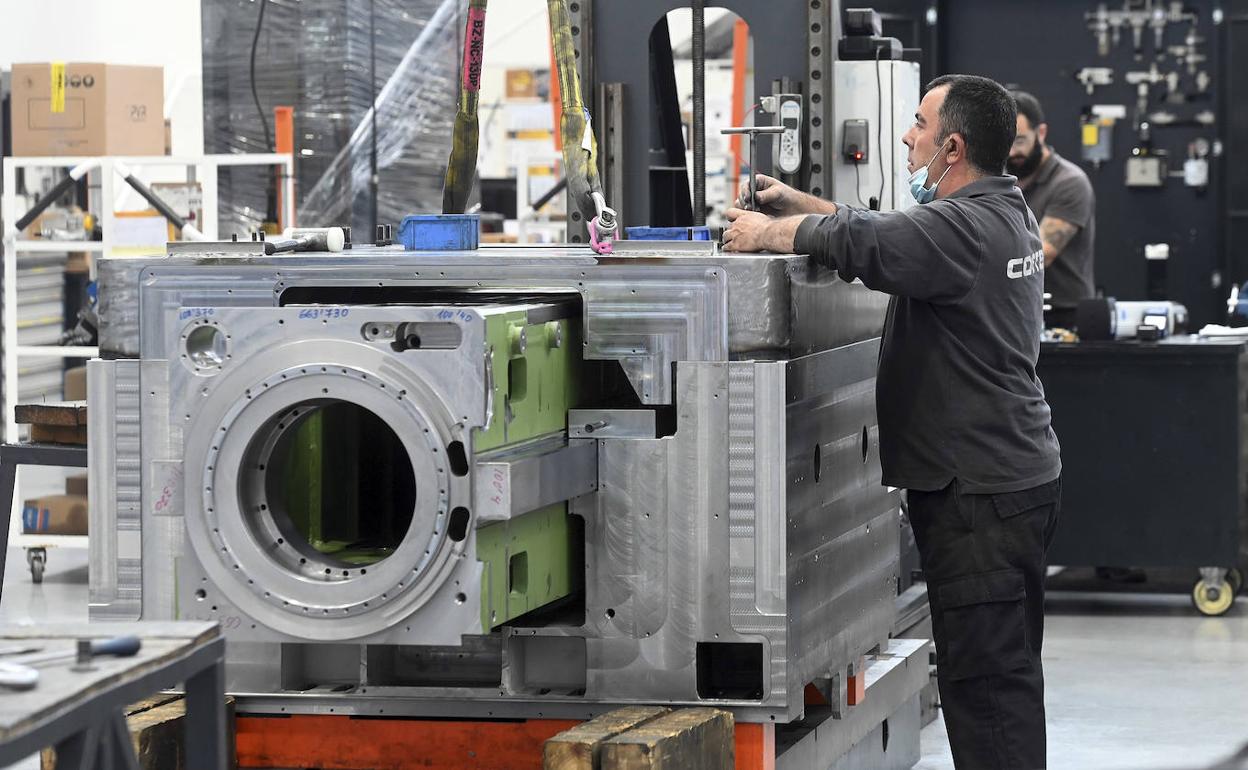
(526,563)
(533,388)
(348,485)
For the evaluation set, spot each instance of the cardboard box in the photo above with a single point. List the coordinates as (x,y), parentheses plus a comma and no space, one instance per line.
(76,485)
(55,515)
(521,84)
(79,263)
(95,109)
(76,384)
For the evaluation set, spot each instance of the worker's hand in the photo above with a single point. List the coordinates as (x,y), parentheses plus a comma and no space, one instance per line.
(747,232)
(751,231)
(774,197)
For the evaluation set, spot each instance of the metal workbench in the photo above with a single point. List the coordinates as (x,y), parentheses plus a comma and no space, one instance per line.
(81,712)
(1154,454)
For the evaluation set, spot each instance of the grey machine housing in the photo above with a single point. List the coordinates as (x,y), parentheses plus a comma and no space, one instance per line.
(751,536)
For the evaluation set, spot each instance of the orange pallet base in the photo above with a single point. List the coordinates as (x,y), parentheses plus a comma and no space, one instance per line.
(346,743)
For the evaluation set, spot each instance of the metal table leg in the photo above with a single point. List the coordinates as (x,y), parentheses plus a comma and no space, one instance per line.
(104,745)
(121,749)
(8,478)
(205,728)
(77,752)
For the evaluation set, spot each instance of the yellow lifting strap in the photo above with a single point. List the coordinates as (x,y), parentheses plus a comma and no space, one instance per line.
(580,148)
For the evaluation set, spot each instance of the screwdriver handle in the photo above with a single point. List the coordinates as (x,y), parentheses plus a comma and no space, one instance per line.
(121,646)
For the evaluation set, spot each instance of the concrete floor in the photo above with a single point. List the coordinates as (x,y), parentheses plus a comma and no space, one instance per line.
(61,597)
(1136,681)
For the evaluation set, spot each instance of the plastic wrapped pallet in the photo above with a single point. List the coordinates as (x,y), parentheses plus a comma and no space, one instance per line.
(314,55)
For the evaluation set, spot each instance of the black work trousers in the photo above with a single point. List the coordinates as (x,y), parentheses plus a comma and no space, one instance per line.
(984,560)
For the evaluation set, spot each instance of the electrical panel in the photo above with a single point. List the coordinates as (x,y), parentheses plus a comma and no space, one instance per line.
(855,140)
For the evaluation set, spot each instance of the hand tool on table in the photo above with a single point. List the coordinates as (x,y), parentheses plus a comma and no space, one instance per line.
(21,674)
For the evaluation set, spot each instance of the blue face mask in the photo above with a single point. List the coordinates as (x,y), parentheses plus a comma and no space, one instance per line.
(918,181)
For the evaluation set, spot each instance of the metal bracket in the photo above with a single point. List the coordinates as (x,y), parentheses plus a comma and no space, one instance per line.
(507,485)
(611,423)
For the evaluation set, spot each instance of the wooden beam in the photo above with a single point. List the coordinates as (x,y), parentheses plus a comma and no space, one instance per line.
(580,747)
(689,739)
(67,413)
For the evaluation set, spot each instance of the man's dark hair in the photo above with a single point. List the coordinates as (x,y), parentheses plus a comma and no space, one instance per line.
(1029,107)
(984,113)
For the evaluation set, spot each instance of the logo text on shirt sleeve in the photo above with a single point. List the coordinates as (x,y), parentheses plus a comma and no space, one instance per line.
(1025,266)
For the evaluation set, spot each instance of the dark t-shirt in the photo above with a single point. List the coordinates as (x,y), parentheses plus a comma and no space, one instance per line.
(1060,189)
(957,394)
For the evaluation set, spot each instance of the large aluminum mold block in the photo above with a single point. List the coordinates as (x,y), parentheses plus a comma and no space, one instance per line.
(737,544)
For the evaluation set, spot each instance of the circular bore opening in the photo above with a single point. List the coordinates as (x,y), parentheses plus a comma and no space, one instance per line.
(205,346)
(335,490)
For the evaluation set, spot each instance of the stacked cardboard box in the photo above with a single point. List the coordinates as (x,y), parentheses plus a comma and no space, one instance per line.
(77,108)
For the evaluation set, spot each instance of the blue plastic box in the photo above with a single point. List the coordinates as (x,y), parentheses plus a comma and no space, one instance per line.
(669,233)
(440,232)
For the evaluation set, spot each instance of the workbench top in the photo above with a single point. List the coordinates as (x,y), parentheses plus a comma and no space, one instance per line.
(1185,345)
(62,689)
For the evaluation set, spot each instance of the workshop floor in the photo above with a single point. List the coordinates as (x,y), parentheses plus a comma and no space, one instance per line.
(1136,681)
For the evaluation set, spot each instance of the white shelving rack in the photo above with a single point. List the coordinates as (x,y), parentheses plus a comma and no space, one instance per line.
(199,168)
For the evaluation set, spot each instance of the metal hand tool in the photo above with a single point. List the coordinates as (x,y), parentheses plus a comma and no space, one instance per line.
(751,133)
(20,674)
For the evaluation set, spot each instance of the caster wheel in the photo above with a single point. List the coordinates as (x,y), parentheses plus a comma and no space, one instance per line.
(36,569)
(1236,578)
(1213,601)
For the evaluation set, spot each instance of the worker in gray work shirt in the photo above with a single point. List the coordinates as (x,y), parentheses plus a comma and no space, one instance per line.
(1061,197)
(964,426)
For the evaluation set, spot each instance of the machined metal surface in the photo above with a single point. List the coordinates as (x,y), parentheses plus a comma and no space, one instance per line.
(611,423)
(729,503)
(704,307)
(509,483)
(231,418)
(860,739)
